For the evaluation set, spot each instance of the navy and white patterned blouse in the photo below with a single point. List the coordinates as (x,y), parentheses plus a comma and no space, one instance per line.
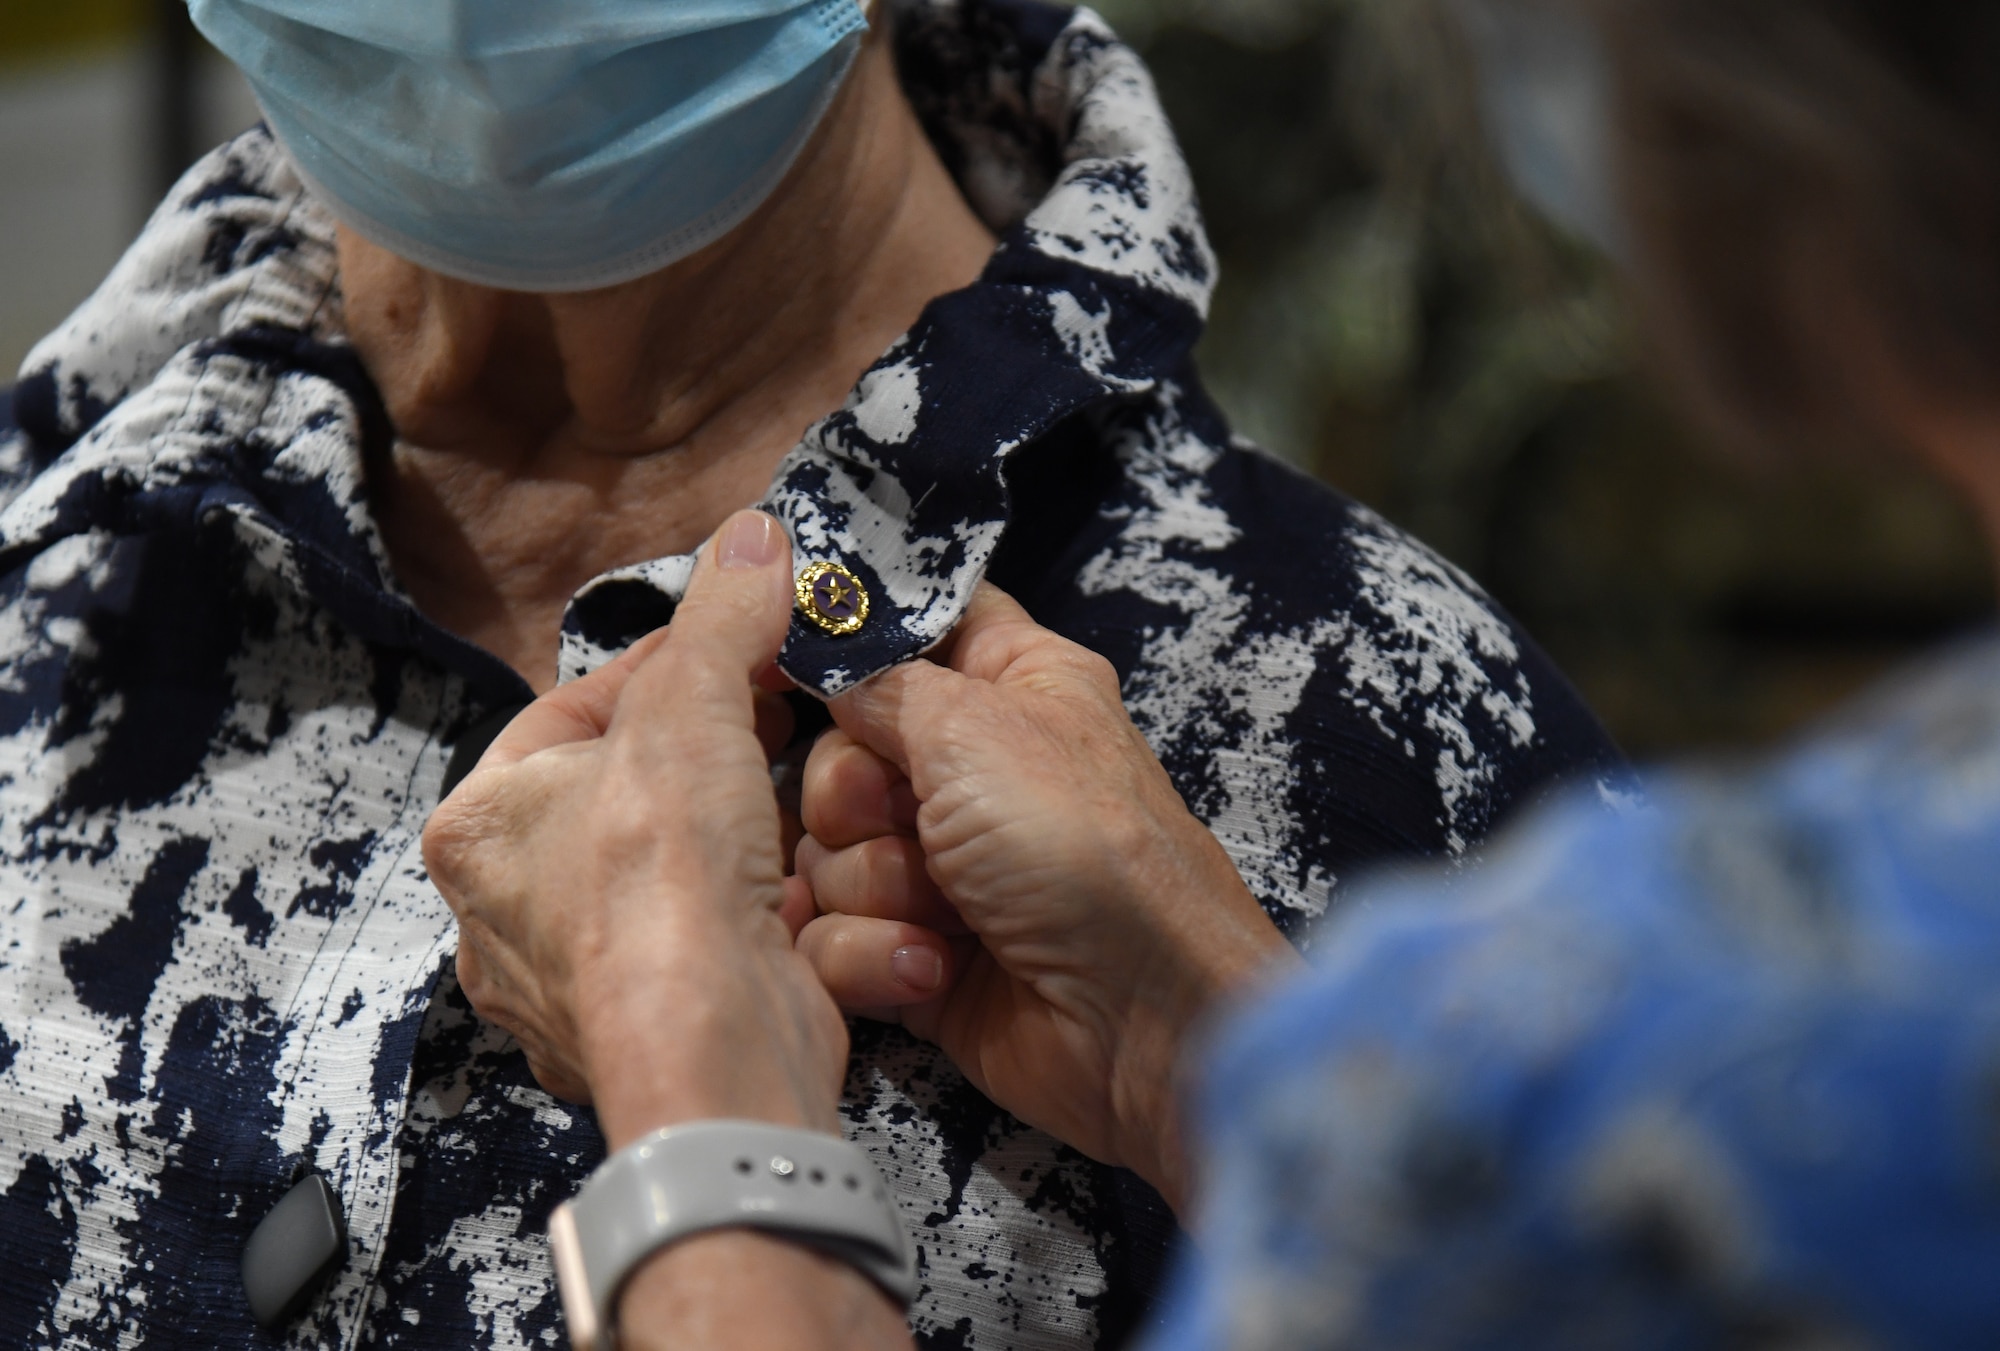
(1720,1072)
(222,725)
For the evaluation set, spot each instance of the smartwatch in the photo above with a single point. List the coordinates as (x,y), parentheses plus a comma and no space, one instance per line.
(814,1189)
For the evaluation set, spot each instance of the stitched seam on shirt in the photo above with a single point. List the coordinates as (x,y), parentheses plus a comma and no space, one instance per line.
(397,823)
(392,1173)
(372,1273)
(340,962)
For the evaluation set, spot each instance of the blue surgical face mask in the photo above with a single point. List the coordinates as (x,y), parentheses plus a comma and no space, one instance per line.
(540,145)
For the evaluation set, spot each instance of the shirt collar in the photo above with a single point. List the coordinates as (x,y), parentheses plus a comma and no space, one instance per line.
(209,373)
(1097,291)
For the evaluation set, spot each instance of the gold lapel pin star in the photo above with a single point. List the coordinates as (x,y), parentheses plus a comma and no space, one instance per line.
(833,598)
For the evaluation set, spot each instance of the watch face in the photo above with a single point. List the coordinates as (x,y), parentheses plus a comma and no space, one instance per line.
(572,1281)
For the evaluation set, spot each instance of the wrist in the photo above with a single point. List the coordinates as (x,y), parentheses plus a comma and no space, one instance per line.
(686,1047)
(1145,1104)
(736,1288)
(643,1221)
(1218,949)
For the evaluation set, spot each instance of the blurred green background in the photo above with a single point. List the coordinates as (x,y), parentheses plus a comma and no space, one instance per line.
(1390,317)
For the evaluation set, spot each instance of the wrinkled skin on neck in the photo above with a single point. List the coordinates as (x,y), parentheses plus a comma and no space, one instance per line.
(544,439)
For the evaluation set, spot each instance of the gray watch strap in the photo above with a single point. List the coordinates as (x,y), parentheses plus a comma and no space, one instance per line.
(814,1188)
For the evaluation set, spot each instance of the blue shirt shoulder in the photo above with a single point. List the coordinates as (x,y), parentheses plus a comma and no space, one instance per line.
(1657,1076)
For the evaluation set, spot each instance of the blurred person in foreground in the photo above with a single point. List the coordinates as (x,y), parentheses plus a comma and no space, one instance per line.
(423,397)
(1718,1070)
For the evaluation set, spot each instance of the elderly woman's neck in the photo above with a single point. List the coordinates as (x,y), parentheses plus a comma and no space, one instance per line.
(827,273)
(545,439)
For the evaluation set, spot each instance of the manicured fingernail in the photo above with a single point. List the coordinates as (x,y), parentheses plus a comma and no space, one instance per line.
(919,968)
(751,539)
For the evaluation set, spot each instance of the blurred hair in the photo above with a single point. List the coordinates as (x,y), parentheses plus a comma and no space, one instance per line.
(1813,187)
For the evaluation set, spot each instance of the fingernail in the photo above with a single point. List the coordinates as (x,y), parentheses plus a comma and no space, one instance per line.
(919,968)
(751,539)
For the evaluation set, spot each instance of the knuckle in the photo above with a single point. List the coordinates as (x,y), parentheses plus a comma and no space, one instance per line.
(889,860)
(442,847)
(810,859)
(1098,669)
(836,885)
(828,748)
(489,1001)
(814,940)
(835,781)
(1091,669)
(453,837)
(987,646)
(874,866)
(819,795)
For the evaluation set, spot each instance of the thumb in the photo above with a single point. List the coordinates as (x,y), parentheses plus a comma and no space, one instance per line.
(901,714)
(578,711)
(994,633)
(738,605)
(727,629)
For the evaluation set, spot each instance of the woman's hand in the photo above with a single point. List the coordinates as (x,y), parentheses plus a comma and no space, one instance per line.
(616,867)
(1002,864)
